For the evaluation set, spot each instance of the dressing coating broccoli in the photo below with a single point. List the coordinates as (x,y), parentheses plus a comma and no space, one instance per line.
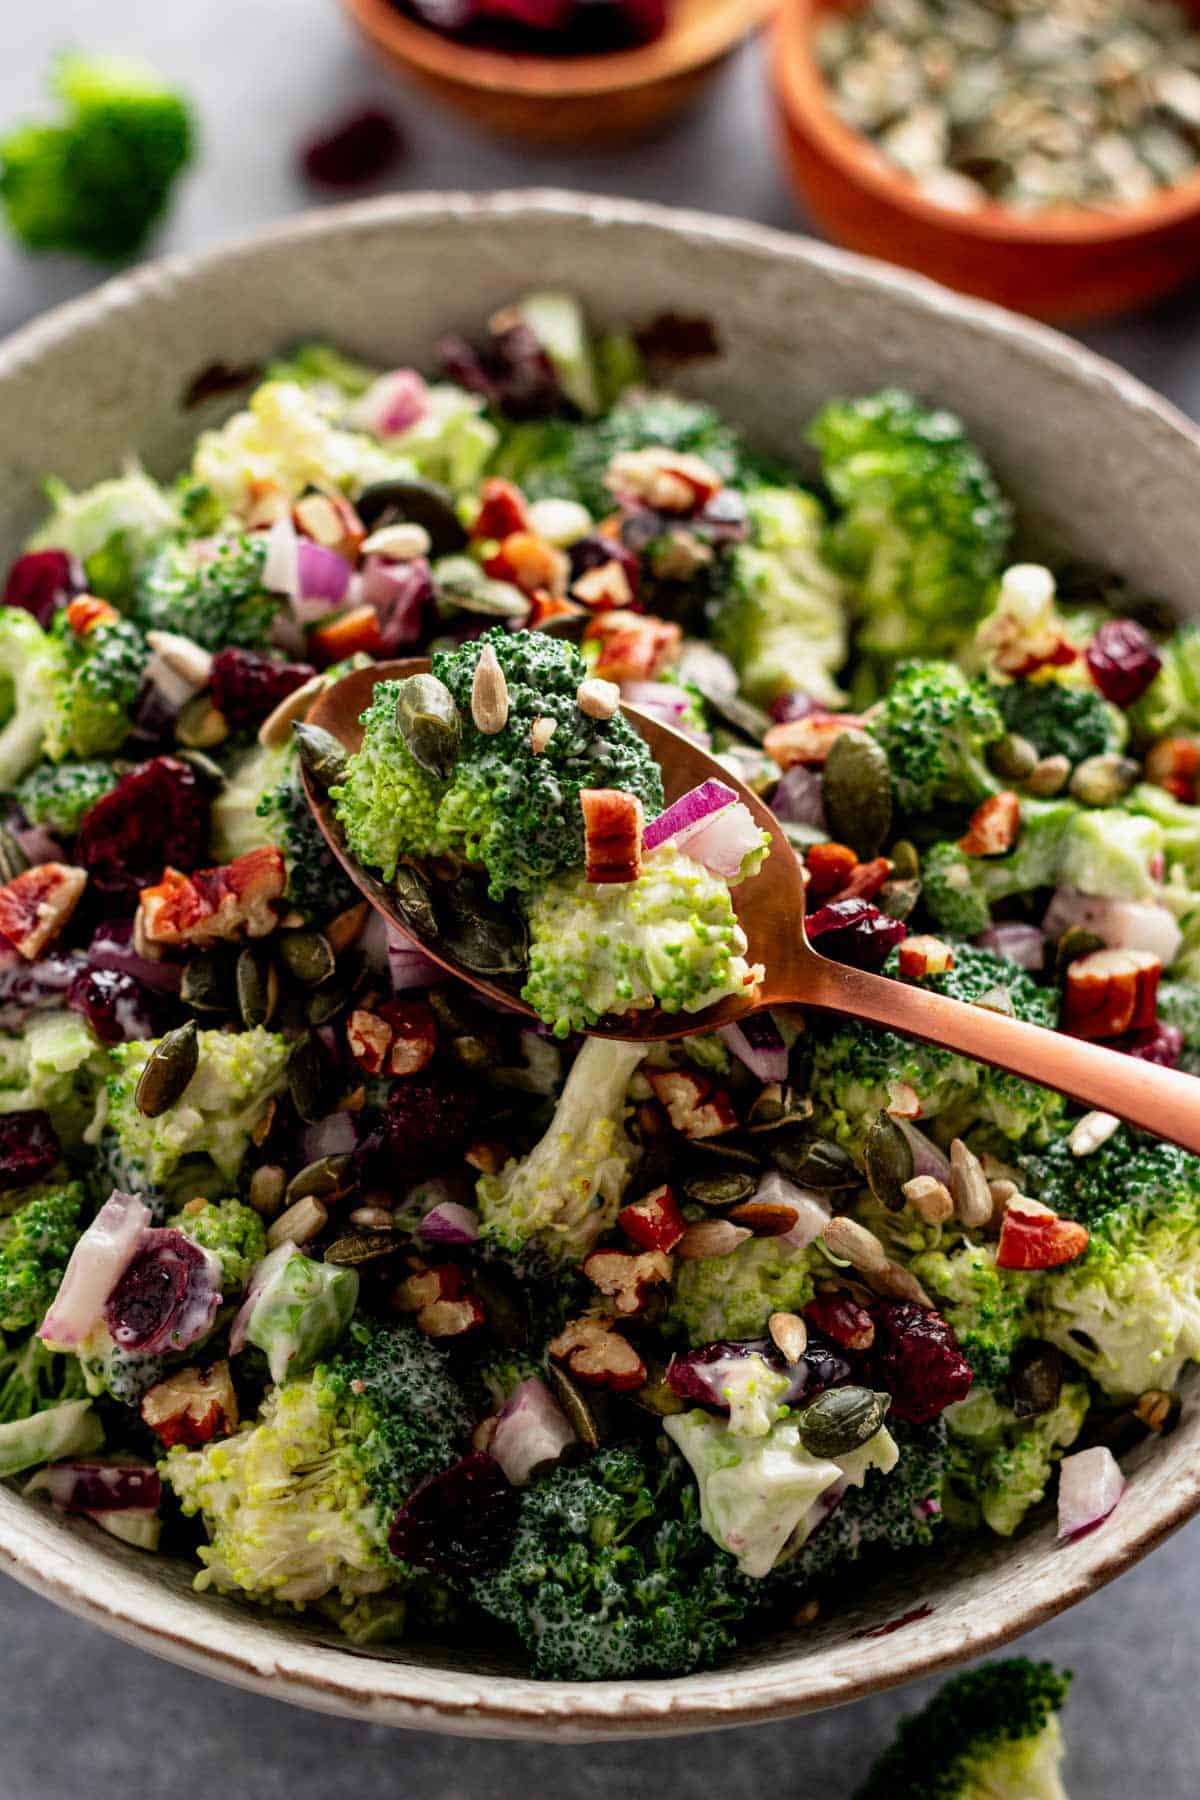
(890,1512)
(987,1307)
(34,1377)
(234,1233)
(923,527)
(210,593)
(992,1734)
(58,1063)
(936,727)
(94,704)
(566,1193)
(299,1310)
(1000,1465)
(730,1298)
(58,795)
(38,1232)
(32,671)
(387,804)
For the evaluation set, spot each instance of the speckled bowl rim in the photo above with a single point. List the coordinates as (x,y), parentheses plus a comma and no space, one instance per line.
(65,1562)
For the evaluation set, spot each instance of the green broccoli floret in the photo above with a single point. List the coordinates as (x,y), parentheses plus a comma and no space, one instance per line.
(562,1196)
(891,1512)
(34,1377)
(855,1069)
(57,796)
(97,182)
(954,890)
(671,936)
(234,1233)
(58,1063)
(32,670)
(111,528)
(779,614)
(612,1574)
(923,528)
(1060,719)
(936,727)
(237,1073)
(262,802)
(1000,1464)
(1171,704)
(212,594)
(992,1734)
(387,805)
(323,366)
(732,1297)
(1179,823)
(1179,1005)
(37,1237)
(987,1307)
(93,711)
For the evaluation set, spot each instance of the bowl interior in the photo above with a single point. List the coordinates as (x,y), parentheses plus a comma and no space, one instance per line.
(1098,467)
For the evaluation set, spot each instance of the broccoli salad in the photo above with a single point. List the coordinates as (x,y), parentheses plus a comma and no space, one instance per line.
(427,1316)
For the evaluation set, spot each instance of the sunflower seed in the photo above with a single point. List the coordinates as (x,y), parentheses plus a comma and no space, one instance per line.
(789,1334)
(299,1224)
(969,1186)
(853,1243)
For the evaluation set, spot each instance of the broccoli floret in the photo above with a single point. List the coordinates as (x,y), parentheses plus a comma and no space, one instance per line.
(262,802)
(212,594)
(780,613)
(936,726)
(671,936)
(237,1073)
(98,181)
(57,1063)
(111,528)
(890,1512)
(731,1297)
(987,1307)
(32,670)
(36,1240)
(1129,1172)
(1171,704)
(1000,1464)
(387,805)
(562,1196)
(954,890)
(234,1233)
(57,796)
(66,1428)
(324,367)
(612,1574)
(923,527)
(855,1069)
(34,1377)
(93,710)
(1179,823)
(992,1734)
(1060,719)
(1179,1005)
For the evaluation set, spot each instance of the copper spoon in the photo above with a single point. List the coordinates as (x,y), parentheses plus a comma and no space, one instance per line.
(771,910)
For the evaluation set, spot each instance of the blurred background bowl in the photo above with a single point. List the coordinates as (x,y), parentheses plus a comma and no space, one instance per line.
(1065,264)
(569,101)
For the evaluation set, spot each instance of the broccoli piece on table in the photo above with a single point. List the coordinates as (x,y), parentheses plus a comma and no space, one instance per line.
(94,705)
(731,1298)
(38,1232)
(58,795)
(936,727)
(612,1574)
(1000,1464)
(99,180)
(992,1734)
(1060,719)
(32,671)
(210,593)
(923,526)
(234,1233)
(566,1193)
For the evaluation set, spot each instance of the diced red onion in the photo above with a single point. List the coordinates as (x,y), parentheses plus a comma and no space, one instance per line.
(112,948)
(322,581)
(392,404)
(712,672)
(1090,1484)
(39,845)
(722,846)
(97,1263)
(411,968)
(402,594)
(281,573)
(531,1432)
(1123,924)
(1023,945)
(927,1158)
(688,815)
(812,1209)
(31,987)
(756,1041)
(334,1135)
(799,797)
(90,1487)
(449,1223)
(287,635)
(667,702)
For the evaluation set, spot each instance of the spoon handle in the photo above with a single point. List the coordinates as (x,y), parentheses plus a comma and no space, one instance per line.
(1164,1101)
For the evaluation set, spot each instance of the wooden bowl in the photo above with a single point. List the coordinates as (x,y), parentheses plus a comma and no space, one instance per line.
(1063,264)
(566,100)
(1097,466)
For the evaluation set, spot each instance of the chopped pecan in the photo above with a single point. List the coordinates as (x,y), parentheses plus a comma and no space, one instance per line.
(329,519)
(994,826)
(1110,992)
(598,1355)
(625,1279)
(502,510)
(400,1037)
(85,613)
(842,1320)
(765,1218)
(35,905)
(230,902)
(440,1301)
(633,646)
(829,867)
(266,503)
(1174,764)
(654,1222)
(612,825)
(193,1407)
(1035,1237)
(605,586)
(369,1038)
(693,1105)
(924,955)
(865,881)
(530,563)
(808,740)
(668,480)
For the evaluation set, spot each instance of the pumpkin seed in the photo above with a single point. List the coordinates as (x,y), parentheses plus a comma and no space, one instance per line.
(1076,941)
(414,502)
(888,1158)
(324,757)
(413,898)
(169,1068)
(307,955)
(802,837)
(580,1415)
(656,1395)
(857,791)
(357,1247)
(462,586)
(898,899)
(721,1190)
(817,1163)
(13,860)
(208,984)
(777,1105)
(841,1420)
(1035,1378)
(306,1079)
(257,988)
(906,860)
(1014,757)
(322,1177)
(741,716)
(325,1003)
(478,934)
(429,723)
(720,1153)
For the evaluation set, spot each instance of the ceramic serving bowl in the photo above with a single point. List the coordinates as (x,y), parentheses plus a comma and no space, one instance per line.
(1097,465)
(566,100)
(1068,263)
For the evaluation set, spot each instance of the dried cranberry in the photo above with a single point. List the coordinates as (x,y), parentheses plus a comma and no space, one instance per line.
(112,948)
(167,1297)
(28,1148)
(794,705)
(917,1359)
(246,685)
(855,932)
(1123,661)
(117,1007)
(104,1487)
(156,817)
(41,582)
(511,371)
(403,595)
(594,550)
(701,1375)
(458,1522)
(1159,1043)
(842,1320)
(355,150)
(426,1122)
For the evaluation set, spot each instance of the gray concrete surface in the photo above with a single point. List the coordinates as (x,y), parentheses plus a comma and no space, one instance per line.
(81,1714)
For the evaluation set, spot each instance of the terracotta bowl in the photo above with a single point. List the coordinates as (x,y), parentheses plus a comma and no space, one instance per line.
(568,101)
(1065,264)
(1096,464)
